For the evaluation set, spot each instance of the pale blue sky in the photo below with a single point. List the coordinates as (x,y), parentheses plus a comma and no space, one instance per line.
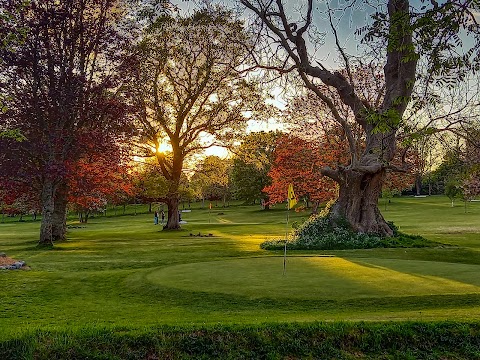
(347,21)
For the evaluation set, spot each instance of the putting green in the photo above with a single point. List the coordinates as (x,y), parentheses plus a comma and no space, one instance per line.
(321,277)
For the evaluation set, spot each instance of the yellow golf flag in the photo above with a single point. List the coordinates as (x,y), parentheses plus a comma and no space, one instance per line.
(292,200)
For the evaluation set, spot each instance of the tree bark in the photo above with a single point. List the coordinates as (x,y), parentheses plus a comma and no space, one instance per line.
(418,184)
(173,196)
(173,220)
(357,202)
(59,216)
(48,207)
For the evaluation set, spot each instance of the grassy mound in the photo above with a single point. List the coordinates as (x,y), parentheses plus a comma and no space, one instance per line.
(440,340)
(318,233)
(314,280)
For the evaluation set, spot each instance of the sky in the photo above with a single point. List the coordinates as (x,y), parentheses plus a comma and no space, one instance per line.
(345,25)
(345,21)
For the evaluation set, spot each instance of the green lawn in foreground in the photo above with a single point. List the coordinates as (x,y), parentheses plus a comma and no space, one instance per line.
(126,271)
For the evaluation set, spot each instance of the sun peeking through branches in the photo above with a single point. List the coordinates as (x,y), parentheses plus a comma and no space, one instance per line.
(186,83)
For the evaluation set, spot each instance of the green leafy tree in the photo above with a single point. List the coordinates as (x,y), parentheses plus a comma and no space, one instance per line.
(251,164)
(211,180)
(186,84)
(150,184)
(452,190)
(451,170)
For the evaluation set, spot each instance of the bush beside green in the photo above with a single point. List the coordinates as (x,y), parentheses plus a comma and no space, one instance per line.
(318,233)
(339,340)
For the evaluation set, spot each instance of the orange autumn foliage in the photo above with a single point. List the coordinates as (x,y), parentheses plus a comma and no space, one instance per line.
(299,162)
(98,177)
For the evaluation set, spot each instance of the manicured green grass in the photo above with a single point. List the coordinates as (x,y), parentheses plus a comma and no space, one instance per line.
(328,278)
(124,271)
(434,218)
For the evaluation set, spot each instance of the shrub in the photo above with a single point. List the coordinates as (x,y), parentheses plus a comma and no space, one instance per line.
(318,233)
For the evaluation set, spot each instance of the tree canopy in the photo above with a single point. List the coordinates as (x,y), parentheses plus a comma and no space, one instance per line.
(187,83)
(59,85)
(400,38)
(252,161)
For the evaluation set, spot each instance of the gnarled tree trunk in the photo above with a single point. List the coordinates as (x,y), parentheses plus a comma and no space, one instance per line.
(357,202)
(360,185)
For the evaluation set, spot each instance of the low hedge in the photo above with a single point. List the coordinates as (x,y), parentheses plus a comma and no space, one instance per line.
(319,233)
(337,340)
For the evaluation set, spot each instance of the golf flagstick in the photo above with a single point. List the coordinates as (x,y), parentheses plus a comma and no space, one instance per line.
(291,201)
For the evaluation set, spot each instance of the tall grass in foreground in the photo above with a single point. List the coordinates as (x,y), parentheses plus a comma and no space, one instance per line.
(407,340)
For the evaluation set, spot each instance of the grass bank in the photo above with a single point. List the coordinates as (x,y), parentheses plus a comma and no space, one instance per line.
(438,340)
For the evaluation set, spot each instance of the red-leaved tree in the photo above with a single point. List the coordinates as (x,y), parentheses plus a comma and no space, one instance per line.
(299,161)
(59,83)
(102,174)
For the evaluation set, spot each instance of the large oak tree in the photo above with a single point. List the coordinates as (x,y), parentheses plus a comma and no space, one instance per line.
(187,83)
(400,37)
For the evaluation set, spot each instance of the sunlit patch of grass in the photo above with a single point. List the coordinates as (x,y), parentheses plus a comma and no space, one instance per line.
(318,278)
